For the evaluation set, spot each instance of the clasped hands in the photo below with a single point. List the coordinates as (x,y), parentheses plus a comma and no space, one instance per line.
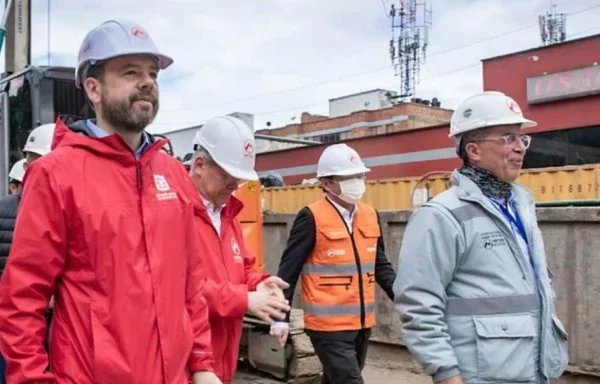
(269,303)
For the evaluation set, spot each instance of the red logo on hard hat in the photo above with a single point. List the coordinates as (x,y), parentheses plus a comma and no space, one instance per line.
(139,33)
(248,148)
(512,105)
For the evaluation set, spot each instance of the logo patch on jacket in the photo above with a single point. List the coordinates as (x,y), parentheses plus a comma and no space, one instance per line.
(493,239)
(163,188)
(235,248)
(335,252)
(161,183)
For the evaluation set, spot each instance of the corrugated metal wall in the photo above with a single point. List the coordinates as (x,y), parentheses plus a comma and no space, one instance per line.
(547,185)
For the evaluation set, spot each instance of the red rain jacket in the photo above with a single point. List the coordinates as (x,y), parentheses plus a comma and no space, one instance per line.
(231,275)
(113,238)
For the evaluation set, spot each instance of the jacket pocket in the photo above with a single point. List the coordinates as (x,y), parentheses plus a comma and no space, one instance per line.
(557,355)
(371,231)
(505,348)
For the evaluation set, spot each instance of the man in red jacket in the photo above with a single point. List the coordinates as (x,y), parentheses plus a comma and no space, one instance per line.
(224,157)
(106,224)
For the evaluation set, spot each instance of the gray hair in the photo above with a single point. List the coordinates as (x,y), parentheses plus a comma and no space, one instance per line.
(203,153)
(469,137)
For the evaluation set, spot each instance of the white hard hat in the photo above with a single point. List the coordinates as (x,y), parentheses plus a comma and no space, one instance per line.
(115,38)
(340,160)
(230,142)
(17,171)
(486,109)
(39,140)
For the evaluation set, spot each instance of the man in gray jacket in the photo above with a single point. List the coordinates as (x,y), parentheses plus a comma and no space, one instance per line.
(473,289)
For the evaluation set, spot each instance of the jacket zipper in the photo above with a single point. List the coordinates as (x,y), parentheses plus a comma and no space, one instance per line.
(544,313)
(360,283)
(138,175)
(545,317)
(140,185)
(358,269)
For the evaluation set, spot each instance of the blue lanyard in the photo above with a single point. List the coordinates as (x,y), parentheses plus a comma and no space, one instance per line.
(516,220)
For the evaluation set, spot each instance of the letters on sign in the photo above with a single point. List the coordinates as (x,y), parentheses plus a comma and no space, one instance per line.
(563,85)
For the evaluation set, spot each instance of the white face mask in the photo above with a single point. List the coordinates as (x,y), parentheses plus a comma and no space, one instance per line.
(352,190)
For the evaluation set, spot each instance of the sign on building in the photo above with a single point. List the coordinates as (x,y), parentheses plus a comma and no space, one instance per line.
(563,85)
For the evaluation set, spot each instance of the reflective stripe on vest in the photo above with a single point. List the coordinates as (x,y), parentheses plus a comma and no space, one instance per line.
(333,269)
(337,292)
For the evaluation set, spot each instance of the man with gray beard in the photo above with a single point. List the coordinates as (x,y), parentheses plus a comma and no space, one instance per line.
(106,225)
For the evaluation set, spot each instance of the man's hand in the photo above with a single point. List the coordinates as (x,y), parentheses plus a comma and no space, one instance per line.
(273,284)
(280,331)
(205,378)
(265,305)
(453,380)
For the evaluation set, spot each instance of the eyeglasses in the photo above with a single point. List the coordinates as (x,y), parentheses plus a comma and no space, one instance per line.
(509,139)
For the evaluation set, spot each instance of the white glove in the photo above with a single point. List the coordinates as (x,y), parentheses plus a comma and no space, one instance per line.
(280,330)
(205,377)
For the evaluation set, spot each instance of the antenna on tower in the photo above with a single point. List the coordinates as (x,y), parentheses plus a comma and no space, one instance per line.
(411,23)
(553,26)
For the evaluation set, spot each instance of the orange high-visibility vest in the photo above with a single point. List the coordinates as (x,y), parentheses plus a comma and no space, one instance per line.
(338,278)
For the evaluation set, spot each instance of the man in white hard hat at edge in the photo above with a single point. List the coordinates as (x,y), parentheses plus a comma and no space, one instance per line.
(106,225)
(15,177)
(38,144)
(473,288)
(336,248)
(224,158)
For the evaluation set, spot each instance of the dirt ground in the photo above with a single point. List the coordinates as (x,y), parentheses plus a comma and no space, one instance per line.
(392,364)
(384,365)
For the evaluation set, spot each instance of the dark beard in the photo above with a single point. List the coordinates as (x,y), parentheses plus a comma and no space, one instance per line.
(120,113)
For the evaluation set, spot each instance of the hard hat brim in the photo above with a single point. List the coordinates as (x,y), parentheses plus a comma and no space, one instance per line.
(164,61)
(238,173)
(17,173)
(347,172)
(525,123)
(36,151)
(16,177)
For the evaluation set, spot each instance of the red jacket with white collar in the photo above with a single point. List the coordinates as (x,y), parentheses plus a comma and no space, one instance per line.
(113,238)
(229,266)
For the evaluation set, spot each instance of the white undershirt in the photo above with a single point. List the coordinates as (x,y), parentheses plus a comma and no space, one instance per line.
(346,214)
(214,213)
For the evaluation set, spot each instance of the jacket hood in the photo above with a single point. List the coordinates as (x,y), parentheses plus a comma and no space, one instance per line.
(79,135)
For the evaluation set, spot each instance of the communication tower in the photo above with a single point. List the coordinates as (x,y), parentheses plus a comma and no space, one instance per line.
(553,26)
(411,23)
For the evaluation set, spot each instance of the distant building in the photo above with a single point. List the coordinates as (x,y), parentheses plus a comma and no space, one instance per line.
(364,114)
(364,101)
(181,140)
(557,85)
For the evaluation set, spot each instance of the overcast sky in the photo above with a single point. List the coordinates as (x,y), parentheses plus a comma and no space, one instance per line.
(277,58)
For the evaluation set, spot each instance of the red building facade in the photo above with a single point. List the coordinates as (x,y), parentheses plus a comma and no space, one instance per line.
(558,86)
